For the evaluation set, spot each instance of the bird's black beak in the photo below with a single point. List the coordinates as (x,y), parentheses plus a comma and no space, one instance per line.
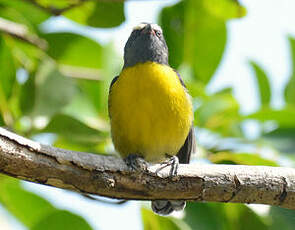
(148,30)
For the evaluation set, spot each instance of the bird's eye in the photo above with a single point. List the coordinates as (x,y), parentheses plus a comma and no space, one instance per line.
(158,33)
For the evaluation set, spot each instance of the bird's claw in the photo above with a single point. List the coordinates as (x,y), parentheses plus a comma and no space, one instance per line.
(173,162)
(136,162)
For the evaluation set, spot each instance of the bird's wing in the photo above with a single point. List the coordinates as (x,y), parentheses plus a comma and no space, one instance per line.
(184,154)
(112,83)
(189,146)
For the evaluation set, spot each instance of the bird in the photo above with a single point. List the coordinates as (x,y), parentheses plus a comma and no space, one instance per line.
(150,109)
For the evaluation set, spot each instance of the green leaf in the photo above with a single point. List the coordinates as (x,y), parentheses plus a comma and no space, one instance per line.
(34,211)
(240,159)
(152,221)
(242,217)
(196,89)
(290,87)
(281,218)
(172,22)
(64,48)
(225,91)
(263,84)
(23,12)
(292,51)
(96,92)
(57,4)
(1,120)
(204,41)
(195,32)
(73,129)
(26,55)
(216,105)
(27,95)
(225,9)
(7,70)
(219,113)
(283,118)
(81,102)
(282,139)
(53,90)
(217,216)
(203,216)
(290,91)
(62,220)
(282,133)
(25,206)
(98,14)
(85,146)
(74,49)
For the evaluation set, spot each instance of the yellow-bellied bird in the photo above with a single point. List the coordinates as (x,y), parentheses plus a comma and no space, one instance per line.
(150,109)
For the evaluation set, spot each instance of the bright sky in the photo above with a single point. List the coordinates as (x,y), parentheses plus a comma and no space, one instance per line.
(260,36)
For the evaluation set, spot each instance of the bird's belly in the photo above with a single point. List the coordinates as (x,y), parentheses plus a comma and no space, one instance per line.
(150,114)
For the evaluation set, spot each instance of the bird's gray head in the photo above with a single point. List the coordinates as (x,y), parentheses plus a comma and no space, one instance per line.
(146,43)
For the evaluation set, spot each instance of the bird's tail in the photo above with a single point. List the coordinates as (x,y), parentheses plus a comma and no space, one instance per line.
(165,207)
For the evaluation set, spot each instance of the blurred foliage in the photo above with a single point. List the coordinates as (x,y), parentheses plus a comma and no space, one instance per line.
(290,87)
(240,159)
(222,217)
(61,88)
(34,211)
(152,221)
(97,14)
(263,84)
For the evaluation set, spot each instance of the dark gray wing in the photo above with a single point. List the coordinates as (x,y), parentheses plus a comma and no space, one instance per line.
(113,82)
(180,79)
(184,154)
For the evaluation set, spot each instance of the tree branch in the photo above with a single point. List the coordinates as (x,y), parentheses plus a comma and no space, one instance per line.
(58,11)
(110,177)
(53,10)
(21,32)
(81,72)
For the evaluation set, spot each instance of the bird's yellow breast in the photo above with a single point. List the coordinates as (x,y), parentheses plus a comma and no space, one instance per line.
(151,112)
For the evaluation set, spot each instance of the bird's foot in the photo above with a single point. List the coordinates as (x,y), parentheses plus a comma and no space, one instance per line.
(173,162)
(136,162)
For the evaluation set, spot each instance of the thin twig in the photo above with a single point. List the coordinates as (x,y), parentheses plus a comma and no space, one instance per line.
(58,11)
(81,72)
(21,32)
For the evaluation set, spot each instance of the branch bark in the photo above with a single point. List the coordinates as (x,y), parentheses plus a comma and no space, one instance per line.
(109,176)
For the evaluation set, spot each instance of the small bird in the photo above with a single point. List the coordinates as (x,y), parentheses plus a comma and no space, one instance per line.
(150,109)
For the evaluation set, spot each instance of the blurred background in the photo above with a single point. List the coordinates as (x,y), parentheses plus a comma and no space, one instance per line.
(58,57)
